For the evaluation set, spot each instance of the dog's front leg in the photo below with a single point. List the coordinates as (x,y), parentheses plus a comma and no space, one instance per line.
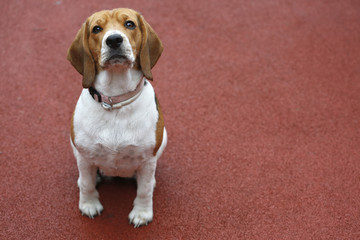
(142,212)
(89,203)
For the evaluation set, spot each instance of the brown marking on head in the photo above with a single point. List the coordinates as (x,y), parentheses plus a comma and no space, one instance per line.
(85,51)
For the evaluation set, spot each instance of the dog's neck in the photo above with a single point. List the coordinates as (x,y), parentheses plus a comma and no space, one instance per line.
(114,82)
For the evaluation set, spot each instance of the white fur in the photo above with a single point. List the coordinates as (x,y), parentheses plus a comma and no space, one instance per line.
(118,142)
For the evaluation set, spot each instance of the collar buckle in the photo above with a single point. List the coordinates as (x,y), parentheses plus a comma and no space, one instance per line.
(106,106)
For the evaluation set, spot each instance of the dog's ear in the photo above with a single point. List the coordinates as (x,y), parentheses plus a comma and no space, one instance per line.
(80,56)
(151,48)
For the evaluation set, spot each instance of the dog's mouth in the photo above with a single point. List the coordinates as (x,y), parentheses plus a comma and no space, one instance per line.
(117,60)
(116,57)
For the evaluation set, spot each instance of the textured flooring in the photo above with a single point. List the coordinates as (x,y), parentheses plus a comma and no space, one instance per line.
(262,106)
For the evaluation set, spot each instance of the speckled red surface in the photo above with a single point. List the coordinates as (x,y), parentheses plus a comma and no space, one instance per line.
(262,106)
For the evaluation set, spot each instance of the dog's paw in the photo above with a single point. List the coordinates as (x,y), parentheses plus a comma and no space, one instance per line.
(90,208)
(140,217)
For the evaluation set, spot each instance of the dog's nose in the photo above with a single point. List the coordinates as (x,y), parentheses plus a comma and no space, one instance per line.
(114,41)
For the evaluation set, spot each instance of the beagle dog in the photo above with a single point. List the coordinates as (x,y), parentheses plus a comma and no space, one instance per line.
(117,127)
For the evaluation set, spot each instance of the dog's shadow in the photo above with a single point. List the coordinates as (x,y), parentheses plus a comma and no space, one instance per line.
(116,195)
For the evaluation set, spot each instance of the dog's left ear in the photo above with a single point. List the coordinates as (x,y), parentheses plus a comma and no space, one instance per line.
(80,56)
(151,48)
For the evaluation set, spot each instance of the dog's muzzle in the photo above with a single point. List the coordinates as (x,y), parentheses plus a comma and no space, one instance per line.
(116,50)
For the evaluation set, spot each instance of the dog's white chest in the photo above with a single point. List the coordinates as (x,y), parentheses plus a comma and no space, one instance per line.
(119,141)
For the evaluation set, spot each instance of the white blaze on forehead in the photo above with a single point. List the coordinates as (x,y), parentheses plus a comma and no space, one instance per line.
(125,48)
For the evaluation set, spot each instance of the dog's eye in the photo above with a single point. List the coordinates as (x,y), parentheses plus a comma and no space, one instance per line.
(130,25)
(97,29)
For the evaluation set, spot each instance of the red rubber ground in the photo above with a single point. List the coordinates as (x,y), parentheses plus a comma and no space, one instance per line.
(261,101)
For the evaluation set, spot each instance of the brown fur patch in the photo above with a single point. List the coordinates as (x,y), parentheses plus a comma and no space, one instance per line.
(72,132)
(159,129)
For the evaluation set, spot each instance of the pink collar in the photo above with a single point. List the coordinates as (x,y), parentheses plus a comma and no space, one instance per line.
(109,103)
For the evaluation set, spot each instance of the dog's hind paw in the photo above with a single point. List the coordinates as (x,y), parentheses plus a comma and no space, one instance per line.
(140,217)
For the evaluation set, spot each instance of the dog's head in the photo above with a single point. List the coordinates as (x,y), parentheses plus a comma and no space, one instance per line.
(119,38)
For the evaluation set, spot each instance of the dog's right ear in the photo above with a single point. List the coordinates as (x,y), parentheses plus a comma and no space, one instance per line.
(80,56)
(151,48)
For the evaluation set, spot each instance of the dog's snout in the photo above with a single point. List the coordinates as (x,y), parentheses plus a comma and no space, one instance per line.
(114,41)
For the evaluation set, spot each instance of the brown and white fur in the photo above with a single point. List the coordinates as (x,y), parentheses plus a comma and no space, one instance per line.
(126,141)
